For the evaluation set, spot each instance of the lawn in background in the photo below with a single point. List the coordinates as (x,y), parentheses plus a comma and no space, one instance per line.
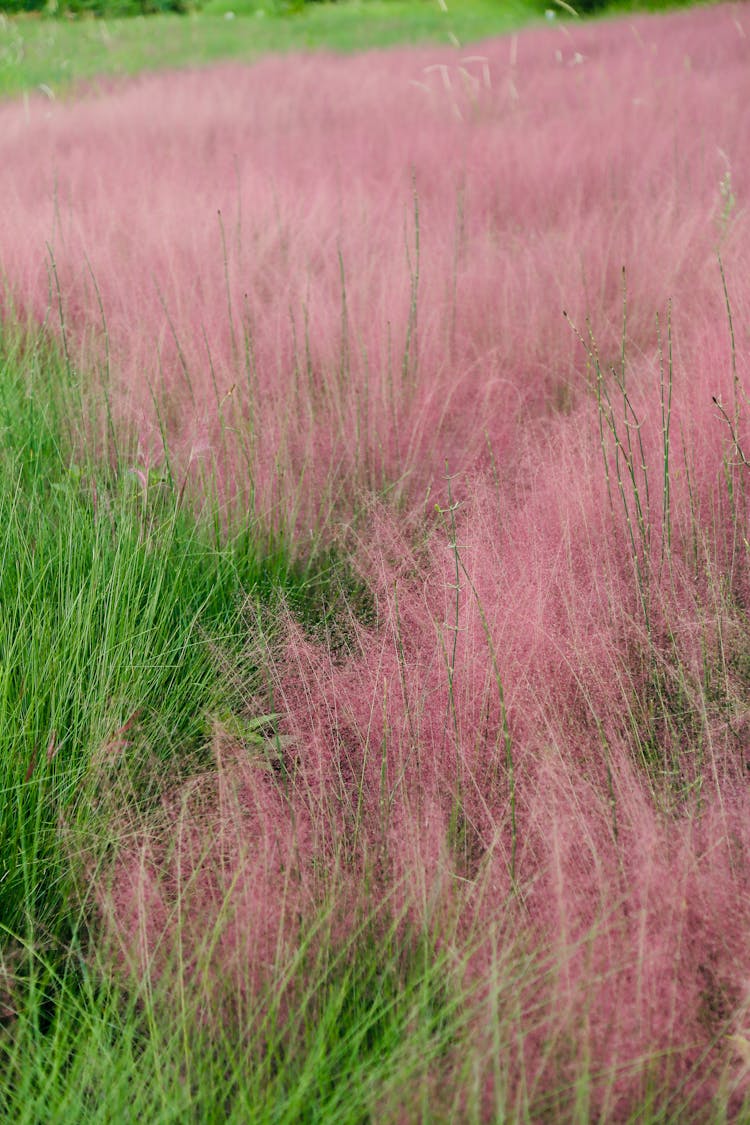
(56,53)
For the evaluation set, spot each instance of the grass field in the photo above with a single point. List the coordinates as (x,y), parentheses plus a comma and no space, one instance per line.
(374,649)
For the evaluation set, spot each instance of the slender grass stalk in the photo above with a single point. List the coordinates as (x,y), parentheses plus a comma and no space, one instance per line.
(454,627)
(735,480)
(55,281)
(344,364)
(666,418)
(107,382)
(410,356)
(403,679)
(225,260)
(457,825)
(627,469)
(458,245)
(184,367)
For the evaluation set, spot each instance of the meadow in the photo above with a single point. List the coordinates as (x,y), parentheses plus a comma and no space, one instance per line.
(374,649)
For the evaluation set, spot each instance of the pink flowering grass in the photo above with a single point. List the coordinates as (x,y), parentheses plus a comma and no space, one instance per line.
(335,287)
(253,237)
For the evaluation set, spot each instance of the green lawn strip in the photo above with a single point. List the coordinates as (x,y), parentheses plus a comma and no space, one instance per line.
(54,54)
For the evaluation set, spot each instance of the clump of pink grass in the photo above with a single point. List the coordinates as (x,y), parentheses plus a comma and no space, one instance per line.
(338,278)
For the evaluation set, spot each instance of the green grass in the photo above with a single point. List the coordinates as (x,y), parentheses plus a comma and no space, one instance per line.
(365,1036)
(58,53)
(114,600)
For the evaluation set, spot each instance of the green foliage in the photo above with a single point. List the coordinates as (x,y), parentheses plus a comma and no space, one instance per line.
(124,621)
(599,7)
(411,9)
(109,8)
(76,1046)
(113,604)
(14,6)
(114,9)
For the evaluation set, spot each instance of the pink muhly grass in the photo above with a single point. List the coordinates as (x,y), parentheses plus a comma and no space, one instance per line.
(538,752)
(522,796)
(253,237)
(561,774)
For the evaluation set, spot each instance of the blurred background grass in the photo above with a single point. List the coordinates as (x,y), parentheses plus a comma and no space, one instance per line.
(53,44)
